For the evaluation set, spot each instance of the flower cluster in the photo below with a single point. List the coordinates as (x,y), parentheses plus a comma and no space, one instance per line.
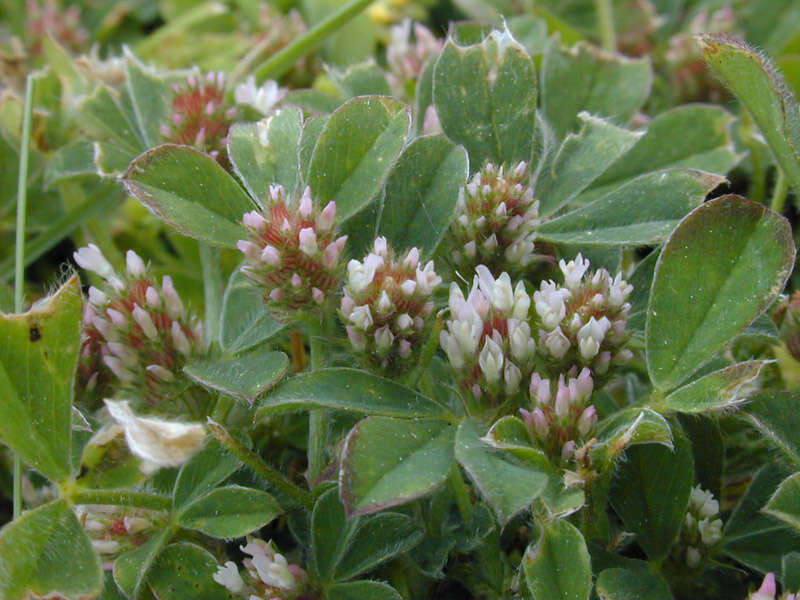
(562,419)
(496,220)
(488,340)
(268,575)
(200,115)
(769,591)
(114,530)
(406,57)
(293,252)
(263,98)
(47,18)
(138,330)
(584,321)
(387,301)
(700,530)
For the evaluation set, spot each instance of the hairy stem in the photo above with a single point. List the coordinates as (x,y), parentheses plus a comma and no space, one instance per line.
(260,467)
(119,498)
(212,290)
(605,20)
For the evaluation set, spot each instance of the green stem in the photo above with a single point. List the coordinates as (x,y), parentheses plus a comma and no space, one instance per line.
(261,468)
(19,255)
(461,492)
(605,20)
(212,289)
(317,418)
(186,23)
(427,354)
(281,62)
(779,192)
(120,498)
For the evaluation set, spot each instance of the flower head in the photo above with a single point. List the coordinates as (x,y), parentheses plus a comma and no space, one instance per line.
(584,321)
(136,332)
(268,574)
(386,306)
(561,417)
(488,339)
(293,252)
(496,220)
(200,115)
(407,55)
(701,530)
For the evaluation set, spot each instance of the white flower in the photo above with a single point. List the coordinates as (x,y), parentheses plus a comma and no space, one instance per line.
(491,361)
(272,568)
(512,376)
(573,271)
(262,98)
(703,502)
(692,557)
(91,258)
(522,344)
(158,442)
(555,342)
(710,531)
(427,279)
(549,302)
(308,241)
(360,275)
(361,317)
(497,291)
(135,265)
(591,335)
(228,577)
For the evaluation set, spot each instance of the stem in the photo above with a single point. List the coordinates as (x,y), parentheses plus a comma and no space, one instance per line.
(605,19)
(261,468)
(281,62)
(427,354)
(19,255)
(779,192)
(317,418)
(212,290)
(120,498)
(461,492)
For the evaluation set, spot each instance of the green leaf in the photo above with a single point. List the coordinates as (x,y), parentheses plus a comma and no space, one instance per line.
(245,320)
(757,84)
(266,153)
(510,434)
(718,390)
(642,280)
(423,95)
(104,116)
(246,376)
(188,190)
(386,462)
(708,449)
(365,79)
(790,570)
(422,192)
(131,568)
(349,390)
(363,590)
(721,267)
(582,157)
(184,570)
(632,584)
(585,78)
(650,492)
(485,97)
(203,472)
(776,416)
(785,502)
(343,548)
(754,538)
(692,137)
(507,484)
(45,553)
(38,358)
(149,99)
(230,512)
(557,565)
(73,160)
(631,426)
(355,151)
(629,215)
(309,137)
